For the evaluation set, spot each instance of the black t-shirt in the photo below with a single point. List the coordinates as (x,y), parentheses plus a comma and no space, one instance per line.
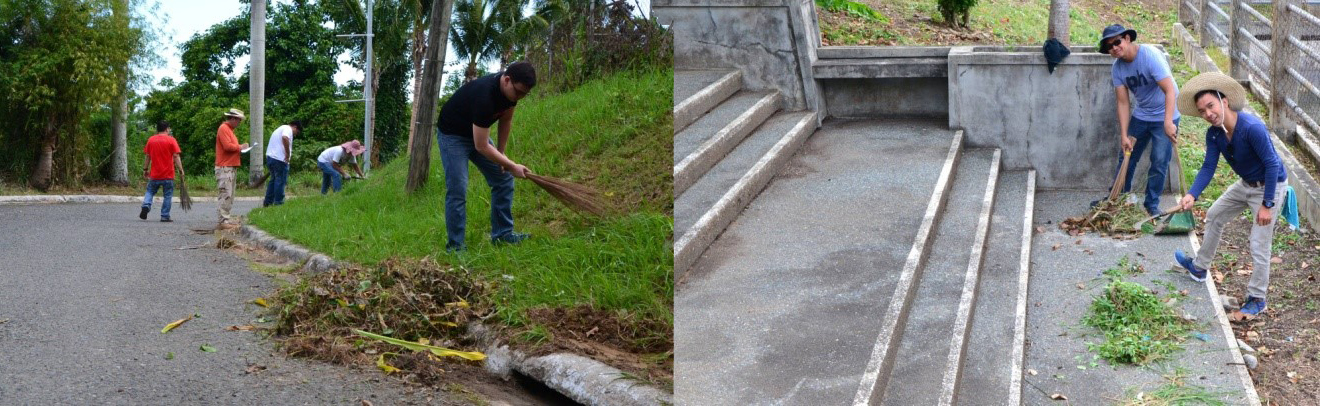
(478,102)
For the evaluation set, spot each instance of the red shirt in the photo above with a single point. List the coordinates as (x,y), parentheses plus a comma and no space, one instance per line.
(161,149)
(227,149)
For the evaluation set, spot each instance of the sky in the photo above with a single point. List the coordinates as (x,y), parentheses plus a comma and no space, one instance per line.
(180,19)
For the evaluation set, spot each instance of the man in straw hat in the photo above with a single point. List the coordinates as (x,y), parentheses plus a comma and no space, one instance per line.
(332,174)
(161,163)
(228,156)
(1143,70)
(463,134)
(1244,141)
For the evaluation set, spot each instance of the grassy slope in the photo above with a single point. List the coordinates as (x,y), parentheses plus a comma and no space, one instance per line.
(614,134)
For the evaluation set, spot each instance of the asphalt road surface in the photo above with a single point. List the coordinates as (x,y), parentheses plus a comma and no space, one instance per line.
(86,288)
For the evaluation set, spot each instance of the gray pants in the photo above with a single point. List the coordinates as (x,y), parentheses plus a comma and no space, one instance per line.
(1239,196)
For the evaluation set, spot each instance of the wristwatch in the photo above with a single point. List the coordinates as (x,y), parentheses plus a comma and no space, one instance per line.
(1269,204)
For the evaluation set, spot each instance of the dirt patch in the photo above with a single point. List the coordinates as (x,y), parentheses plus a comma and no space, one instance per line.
(1286,336)
(608,338)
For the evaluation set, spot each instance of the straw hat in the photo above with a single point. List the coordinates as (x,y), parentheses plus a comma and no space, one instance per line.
(354,147)
(235,113)
(1233,92)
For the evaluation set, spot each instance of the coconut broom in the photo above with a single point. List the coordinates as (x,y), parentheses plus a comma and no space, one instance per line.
(575,196)
(185,201)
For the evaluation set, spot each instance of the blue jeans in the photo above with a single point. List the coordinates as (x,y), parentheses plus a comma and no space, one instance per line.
(455,152)
(1161,150)
(279,176)
(152,186)
(330,177)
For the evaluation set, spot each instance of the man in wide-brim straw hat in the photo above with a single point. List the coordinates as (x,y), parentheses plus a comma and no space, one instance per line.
(228,156)
(1244,141)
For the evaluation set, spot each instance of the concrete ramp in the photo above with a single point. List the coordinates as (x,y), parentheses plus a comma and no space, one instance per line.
(784,307)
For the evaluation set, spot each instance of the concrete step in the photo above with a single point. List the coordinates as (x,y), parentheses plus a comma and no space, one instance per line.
(922,353)
(880,68)
(782,308)
(991,370)
(703,143)
(698,91)
(703,210)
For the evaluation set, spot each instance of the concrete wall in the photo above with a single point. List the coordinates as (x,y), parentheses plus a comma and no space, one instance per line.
(888,97)
(772,41)
(1061,124)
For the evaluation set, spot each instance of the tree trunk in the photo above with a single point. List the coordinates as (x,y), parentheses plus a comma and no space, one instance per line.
(257,93)
(45,157)
(119,125)
(1058,26)
(419,47)
(471,71)
(419,163)
(119,112)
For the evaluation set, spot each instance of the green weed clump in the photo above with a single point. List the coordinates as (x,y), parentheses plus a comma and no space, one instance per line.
(854,9)
(1138,326)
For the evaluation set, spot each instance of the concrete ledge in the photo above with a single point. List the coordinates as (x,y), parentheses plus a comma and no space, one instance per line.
(1024,278)
(693,242)
(719,3)
(866,52)
(52,199)
(933,67)
(1244,376)
(1193,55)
(962,325)
(311,261)
(582,379)
(692,167)
(876,375)
(691,109)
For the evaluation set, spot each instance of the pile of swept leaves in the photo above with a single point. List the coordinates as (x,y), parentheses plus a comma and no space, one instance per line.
(1138,325)
(1109,218)
(418,301)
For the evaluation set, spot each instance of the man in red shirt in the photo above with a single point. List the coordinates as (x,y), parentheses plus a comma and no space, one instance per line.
(162,160)
(228,154)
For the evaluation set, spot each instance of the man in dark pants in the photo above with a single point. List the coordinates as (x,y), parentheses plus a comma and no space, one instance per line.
(463,134)
(161,164)
(278,151)
(1143,70)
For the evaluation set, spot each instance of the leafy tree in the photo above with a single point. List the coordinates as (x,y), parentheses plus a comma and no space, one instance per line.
(60,61)
(956,12)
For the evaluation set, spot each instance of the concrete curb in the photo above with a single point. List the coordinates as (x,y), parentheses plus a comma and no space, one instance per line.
(583,379)
(56,199)
(693,107)
(1024,279)
(693,166)
(1253,398)
(694,242)
(876,375)
(962,325)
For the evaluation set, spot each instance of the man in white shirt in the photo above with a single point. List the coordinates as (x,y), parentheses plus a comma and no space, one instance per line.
(278,151)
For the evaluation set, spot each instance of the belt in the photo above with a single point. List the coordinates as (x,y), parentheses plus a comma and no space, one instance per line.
(1257,183)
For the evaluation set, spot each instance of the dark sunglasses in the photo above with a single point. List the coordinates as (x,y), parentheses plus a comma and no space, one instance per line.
(1116,42)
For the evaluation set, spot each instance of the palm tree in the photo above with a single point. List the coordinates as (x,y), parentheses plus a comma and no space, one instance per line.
(476,31)
(520,32)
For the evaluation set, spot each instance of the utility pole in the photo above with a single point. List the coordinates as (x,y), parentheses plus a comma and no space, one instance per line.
(367,93)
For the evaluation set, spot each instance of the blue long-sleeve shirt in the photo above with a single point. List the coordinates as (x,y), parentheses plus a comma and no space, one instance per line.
(1250,153)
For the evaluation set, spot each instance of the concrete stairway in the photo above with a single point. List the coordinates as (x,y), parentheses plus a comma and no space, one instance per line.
(884,265)
(727,144)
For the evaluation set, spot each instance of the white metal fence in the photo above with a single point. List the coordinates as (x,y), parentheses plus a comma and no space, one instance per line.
(1282,72)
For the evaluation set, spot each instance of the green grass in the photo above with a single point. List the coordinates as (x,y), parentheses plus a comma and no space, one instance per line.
(1175,391)
(1015,22)
(614,134)
(1139,327)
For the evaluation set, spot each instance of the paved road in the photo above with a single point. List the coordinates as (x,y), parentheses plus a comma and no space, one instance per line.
(86,288)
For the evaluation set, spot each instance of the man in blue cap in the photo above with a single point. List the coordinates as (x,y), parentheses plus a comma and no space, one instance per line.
(1143,70)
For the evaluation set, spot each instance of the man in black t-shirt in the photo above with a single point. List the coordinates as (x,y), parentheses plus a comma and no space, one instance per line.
(463,134)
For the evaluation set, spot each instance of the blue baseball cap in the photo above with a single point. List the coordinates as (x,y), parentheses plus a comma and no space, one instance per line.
(1114,31)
